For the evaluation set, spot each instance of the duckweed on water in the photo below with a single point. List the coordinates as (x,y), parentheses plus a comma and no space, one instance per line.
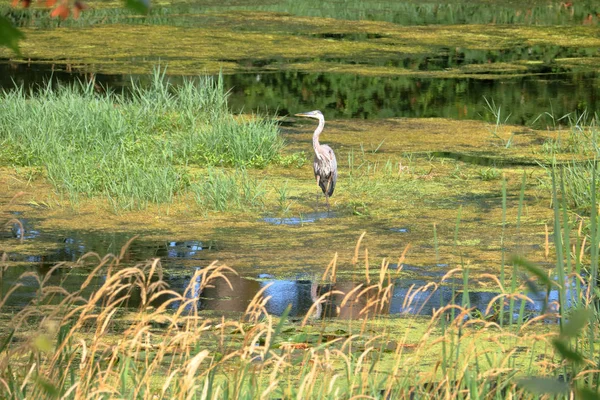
(266,41)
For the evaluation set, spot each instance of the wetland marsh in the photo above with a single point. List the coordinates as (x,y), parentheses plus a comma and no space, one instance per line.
(465,135)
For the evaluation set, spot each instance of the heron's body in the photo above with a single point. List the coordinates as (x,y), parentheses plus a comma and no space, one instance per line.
(324,164)
(325,167)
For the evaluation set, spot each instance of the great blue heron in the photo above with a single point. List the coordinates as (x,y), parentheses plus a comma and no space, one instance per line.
(324,164)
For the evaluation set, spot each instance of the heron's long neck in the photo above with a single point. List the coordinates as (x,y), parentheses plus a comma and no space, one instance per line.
(318,131)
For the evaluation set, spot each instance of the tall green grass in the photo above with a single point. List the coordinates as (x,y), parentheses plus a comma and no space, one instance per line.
(130,148)
(221,190)
(580,142)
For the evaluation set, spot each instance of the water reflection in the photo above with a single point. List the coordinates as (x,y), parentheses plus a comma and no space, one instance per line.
(410,297)
(71,246)
(406,298)
(22,229)
(181,259)
(523,99)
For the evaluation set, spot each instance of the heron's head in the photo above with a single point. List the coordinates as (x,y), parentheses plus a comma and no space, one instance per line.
(316,114)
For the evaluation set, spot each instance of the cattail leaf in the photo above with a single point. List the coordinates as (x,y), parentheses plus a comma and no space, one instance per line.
(532,286)
(532,268)
(587,394)
(279,326)
(565,351)
(6,341)
(541,385)
(577,320)
(282,320)
(47,387)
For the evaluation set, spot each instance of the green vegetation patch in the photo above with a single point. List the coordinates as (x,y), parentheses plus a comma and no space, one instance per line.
(263,41)
(132,149)
(390,179)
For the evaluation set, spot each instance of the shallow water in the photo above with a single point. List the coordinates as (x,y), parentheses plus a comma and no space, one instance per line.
(181,259)
(302,219)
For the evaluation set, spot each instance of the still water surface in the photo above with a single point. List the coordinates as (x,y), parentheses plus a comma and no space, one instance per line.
(521,99)
(182,259)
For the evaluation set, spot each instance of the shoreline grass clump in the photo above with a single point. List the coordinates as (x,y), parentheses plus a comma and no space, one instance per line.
(222,190)
(130,148)
(581,142)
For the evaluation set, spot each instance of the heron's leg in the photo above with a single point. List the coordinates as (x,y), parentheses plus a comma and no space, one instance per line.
(327,193)
(317,198)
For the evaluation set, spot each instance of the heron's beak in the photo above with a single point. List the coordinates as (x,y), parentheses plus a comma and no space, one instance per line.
(302,115)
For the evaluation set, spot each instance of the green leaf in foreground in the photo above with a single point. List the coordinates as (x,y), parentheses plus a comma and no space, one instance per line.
(532,268)
(577,320)
(6,340)
(138,6)
(48,388)
(565,351)
(587,394)
(543,385)
(9,35)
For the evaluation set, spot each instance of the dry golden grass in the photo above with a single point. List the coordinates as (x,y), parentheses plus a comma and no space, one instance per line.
(80,344)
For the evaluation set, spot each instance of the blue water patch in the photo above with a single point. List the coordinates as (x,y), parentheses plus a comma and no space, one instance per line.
(302,219)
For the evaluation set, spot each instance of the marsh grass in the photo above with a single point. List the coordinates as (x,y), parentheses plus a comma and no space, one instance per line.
(185,13)
(132,149)
(130,336)
(495,127)
(253,142)
(373,179)
(489,174)
(580,142)
(221,190)
(367,171)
